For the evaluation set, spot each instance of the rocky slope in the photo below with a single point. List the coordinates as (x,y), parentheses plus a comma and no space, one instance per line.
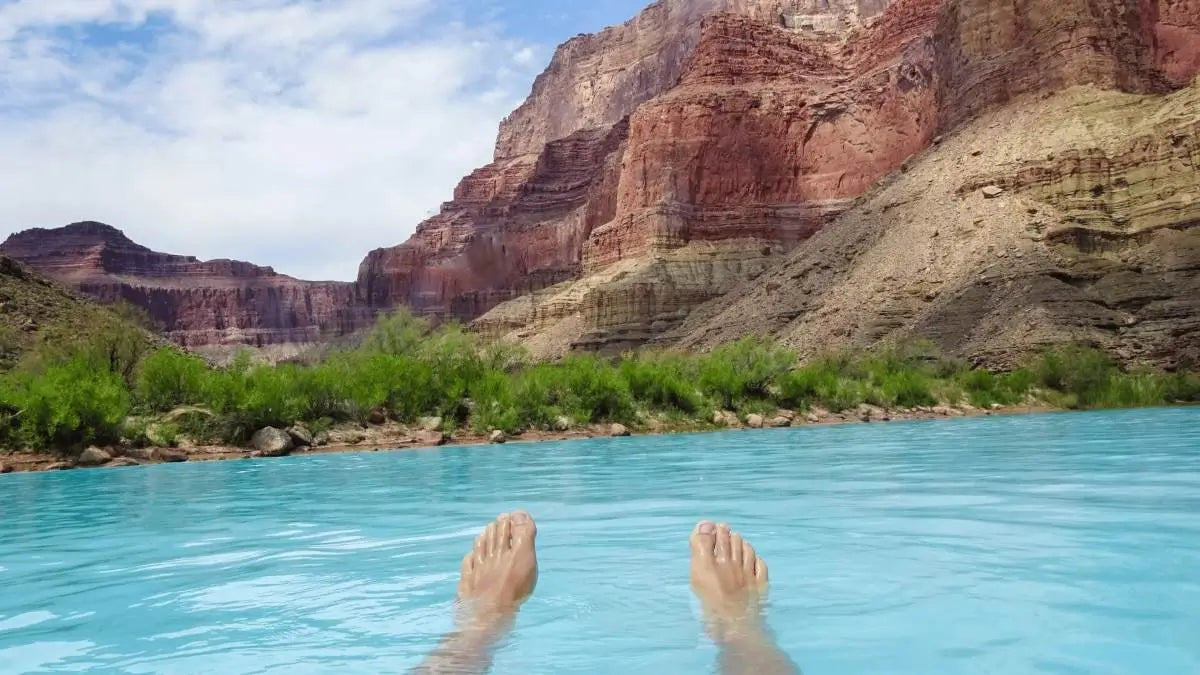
(196,303)
(777,126)
(1060,219)
(36,310)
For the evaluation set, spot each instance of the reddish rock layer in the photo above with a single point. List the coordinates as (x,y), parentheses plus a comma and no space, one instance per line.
(758,123)
(196,303)
(1178,33)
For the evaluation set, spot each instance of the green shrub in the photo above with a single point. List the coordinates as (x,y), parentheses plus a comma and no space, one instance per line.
(745,369)
(1182,388)
(905,389)
(662,381)
(1082,372)
(65,406)
(985,389)
(164,435)
(167,379)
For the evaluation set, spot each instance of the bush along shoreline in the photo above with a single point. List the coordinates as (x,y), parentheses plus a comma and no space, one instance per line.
(106,403)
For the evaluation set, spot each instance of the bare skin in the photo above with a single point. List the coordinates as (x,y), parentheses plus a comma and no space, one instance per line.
(497,576)
(730,579)
(500,572)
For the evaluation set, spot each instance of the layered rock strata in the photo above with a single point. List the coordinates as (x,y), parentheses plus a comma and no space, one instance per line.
(195,303)
(776,127)
(1069,219)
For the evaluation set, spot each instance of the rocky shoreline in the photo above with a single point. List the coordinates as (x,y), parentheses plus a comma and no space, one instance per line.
(389,437)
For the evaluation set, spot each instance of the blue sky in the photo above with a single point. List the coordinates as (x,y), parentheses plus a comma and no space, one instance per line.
(293,133)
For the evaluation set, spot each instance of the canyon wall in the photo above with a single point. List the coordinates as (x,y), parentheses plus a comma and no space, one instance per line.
(195,303)
(780,122)
(1071,218)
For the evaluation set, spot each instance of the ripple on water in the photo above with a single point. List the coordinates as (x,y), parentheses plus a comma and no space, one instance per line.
(1042,544)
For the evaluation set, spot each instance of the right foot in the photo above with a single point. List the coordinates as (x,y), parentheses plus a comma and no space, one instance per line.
(727,575)
(501,571)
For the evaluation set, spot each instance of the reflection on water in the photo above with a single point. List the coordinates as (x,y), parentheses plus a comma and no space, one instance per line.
(1045,544)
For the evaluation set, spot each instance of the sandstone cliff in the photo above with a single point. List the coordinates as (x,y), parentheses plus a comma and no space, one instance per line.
(1090,236)
(196,303)
(777,126)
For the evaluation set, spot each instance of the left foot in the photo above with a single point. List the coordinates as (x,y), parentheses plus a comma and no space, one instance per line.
(501,571)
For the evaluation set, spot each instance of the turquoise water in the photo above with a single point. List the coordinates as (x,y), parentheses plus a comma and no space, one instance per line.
(1042,544)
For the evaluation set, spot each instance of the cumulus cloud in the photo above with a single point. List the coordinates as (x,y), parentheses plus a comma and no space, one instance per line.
(293,133)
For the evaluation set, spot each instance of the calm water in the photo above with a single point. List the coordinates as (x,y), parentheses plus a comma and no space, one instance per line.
(1046,544)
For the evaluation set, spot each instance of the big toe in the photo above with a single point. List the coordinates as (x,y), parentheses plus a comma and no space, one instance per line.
(704,540)
(524,530)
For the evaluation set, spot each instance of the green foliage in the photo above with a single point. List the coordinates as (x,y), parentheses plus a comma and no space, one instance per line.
(743,370)
(663,381)
(1083,373)
(1182,388)
(167,379)
(66,406)
(985,389)
(71,395)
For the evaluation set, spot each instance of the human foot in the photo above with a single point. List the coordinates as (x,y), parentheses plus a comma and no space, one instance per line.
(501,571)
(727,575)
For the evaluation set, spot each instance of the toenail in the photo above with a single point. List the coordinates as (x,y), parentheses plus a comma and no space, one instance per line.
(706,528)
(520,517)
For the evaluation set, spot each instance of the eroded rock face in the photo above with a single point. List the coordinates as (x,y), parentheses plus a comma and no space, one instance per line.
(782,114)
(1092,240)
(196,303)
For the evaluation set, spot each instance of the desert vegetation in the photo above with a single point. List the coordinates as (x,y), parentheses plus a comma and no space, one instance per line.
(114,387)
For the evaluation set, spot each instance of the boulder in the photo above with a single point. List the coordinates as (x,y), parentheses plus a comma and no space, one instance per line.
(497,436)
(789,415)
(430,437)
(301,436)
(992,191)
(123,461)
(377,416)
(172,455)
(94,457)
(619,430)
(871,413)
(755,421)
(724,418)
(562,423)
(430,424)
(4,468)
(272,442)
(780,422)
(321,439)
(141,454)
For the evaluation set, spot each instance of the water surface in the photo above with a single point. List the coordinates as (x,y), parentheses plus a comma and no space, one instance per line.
(1041,544)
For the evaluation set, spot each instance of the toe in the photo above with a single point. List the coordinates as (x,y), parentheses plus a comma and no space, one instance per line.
(524,530)
(736,548)
(760,571)
(480,550)
(704,540)
(489,538)
(749,557)
(466,573)
(722,547)
(504,533)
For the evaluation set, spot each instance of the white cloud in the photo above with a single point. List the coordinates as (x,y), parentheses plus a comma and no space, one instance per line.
(293,133)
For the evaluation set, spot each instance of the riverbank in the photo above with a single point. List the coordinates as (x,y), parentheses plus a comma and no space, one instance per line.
(390,437)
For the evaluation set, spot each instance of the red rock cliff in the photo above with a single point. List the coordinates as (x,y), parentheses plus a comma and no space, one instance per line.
(749,123)
(197,303)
